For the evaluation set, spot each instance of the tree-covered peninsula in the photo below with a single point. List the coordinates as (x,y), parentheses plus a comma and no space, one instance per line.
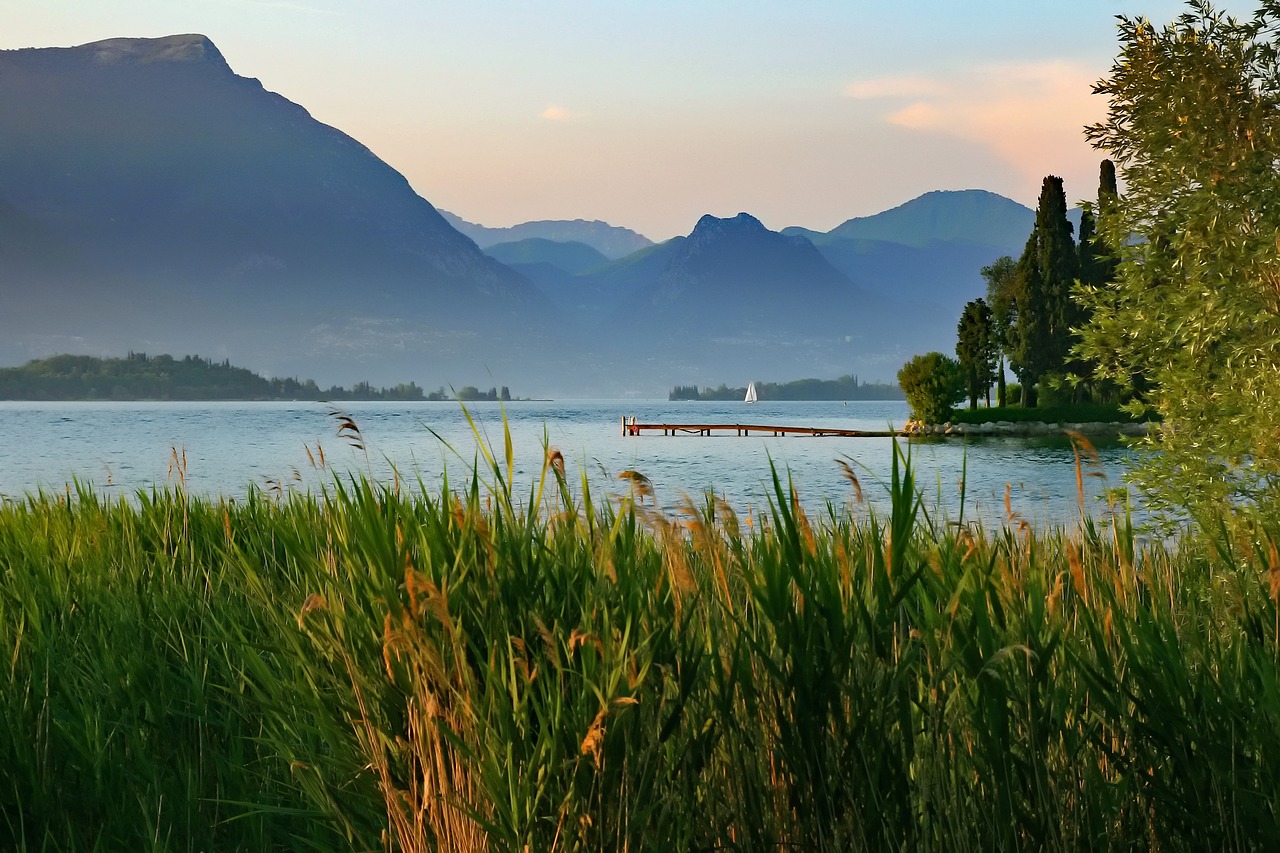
(844,388)
(163,377)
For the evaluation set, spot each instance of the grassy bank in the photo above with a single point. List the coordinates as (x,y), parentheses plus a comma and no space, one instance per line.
(386,667)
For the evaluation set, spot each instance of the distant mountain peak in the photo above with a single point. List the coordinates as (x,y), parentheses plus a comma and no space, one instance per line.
(959,216)
(743,246)
(712,229)
(743,222)
(185,48)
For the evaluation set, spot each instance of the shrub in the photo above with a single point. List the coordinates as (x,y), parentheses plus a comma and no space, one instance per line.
(933,383)
(1052,391)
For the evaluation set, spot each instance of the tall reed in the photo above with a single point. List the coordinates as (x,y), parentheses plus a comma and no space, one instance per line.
(468,668)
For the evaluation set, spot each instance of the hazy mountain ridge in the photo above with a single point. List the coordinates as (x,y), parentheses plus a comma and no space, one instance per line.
(571,256)
(726,267)
(942,216)
(235,219)
(612,241)
(733,292)
(732,297)
(152,199)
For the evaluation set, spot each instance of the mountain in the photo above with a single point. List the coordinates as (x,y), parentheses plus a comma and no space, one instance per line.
(612,241)
(942,276)
(152,200)
(731,299)
(178,206)
(974,217)
(735,299)
(591,299)
(572,257)
(926,256)
(736,276)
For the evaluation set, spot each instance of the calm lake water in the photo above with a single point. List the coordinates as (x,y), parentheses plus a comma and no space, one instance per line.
(122,447)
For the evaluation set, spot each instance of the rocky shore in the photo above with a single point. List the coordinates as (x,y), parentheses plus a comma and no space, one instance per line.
(1029,428)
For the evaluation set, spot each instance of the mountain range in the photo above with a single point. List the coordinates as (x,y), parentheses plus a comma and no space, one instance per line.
(153,200)
(611,241)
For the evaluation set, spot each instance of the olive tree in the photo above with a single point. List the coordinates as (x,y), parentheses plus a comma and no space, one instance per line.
(1194,129)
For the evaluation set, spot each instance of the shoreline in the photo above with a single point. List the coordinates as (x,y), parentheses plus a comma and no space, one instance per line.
(1031,428)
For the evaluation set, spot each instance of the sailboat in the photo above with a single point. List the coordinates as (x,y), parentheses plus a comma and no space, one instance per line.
(751,393)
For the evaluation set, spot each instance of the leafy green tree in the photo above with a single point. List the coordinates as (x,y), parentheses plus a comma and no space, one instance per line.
(976,350)
(932,383)
(1002,284)
(1194,127)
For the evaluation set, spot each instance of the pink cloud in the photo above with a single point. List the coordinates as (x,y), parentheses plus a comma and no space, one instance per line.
(1030,115)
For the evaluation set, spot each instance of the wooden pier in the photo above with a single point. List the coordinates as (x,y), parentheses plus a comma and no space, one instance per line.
(631,427)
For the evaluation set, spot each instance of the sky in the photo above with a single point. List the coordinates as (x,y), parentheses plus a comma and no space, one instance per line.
(651,114)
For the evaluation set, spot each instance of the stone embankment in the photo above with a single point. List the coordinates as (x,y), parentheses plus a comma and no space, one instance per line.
(1107,430)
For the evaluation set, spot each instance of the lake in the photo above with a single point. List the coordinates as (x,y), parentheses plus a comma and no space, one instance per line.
(122,447)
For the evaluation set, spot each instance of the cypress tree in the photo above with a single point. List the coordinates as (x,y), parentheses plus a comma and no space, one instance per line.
(1059,266)
(976,350)
(1092,271)
(1097,267)
(1091,258)
(1107,189)
(1108,196)
(1047,272)
(1030,334)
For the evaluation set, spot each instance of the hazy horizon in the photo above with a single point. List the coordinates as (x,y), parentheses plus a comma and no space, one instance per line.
(650,117)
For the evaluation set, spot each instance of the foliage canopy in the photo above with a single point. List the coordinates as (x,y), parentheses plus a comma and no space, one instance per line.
(163,377)
(933,383)
(1194,128)
(1002,286)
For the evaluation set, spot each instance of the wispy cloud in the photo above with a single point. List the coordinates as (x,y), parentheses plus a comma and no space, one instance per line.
(894,87)
(558,113)
(1030,115)
(918,116)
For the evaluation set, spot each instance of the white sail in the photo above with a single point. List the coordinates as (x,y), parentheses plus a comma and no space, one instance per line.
(751,393)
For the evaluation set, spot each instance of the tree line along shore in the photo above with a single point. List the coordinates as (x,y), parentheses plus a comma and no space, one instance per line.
(843,388)
(139,376)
